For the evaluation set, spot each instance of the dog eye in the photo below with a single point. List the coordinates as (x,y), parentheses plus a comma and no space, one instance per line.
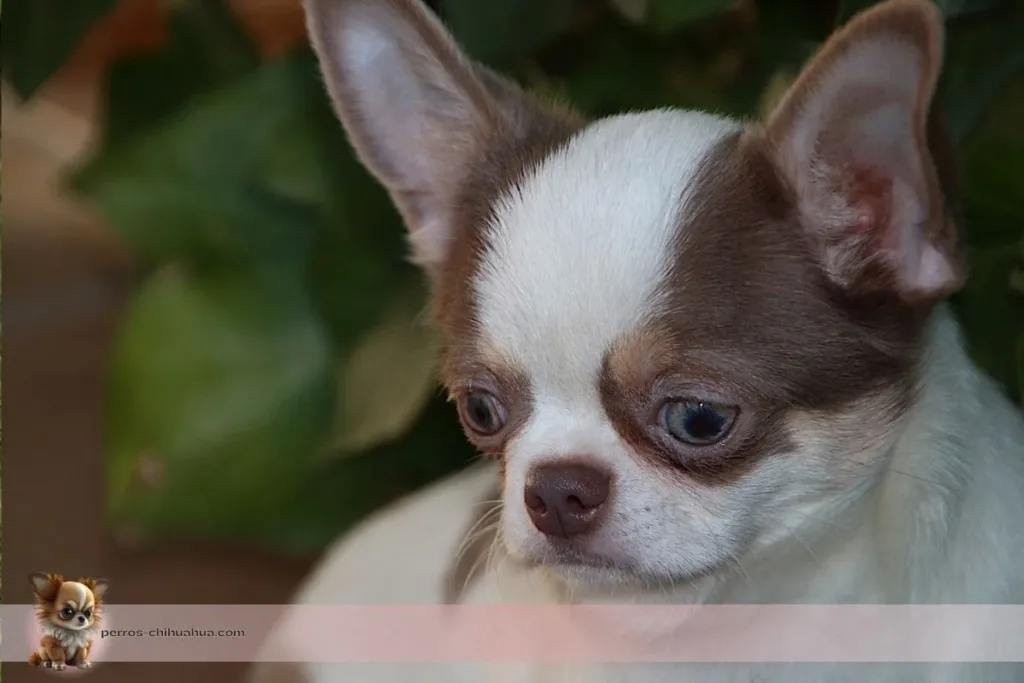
(482,412)
(67,613)
(87,613)
(697,423)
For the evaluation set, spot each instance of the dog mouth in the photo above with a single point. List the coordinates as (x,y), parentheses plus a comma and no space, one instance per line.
(567,557)
(584,566)
(74,626)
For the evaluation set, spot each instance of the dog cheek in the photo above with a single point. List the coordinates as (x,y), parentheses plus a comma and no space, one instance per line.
(668,527)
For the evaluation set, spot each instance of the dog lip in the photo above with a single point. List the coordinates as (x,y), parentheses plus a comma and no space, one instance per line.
(566,553)
(568,557)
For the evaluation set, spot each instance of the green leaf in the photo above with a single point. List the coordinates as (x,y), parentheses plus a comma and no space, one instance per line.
(185,188)
(994,193)
(340,492)
(387,378)
(671,15)
(850,8)
(221,393)
(40,35)
(1020,363)
(622,68)
(950,8)
(958,8)
(501,32)
(983,55)
(994,173)
(787,35)
(201,187)
(206,47)
(632,10)
(992,314)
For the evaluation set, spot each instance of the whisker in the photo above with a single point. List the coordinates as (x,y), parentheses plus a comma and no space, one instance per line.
(817,561)
(823,520)
(483,526)
(917,477)
(743,570)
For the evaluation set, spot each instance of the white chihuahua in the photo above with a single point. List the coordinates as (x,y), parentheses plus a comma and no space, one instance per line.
(712,360)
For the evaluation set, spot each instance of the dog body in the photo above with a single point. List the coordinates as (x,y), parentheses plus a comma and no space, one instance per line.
(69,615)
(712,360)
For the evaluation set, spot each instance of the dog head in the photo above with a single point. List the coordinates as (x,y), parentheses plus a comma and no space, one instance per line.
(72,605)
(681,335)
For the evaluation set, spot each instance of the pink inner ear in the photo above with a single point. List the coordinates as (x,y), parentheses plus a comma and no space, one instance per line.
(870,200)
(852,143)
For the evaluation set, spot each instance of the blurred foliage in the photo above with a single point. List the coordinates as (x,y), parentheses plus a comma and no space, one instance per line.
(273,379)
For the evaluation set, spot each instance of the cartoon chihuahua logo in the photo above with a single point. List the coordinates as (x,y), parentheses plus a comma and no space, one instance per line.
(69,614)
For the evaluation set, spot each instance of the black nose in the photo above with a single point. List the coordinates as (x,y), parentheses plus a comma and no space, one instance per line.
(564,499)
(81,619)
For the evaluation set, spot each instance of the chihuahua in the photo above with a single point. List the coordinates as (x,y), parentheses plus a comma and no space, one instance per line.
(69,615)
(712,360)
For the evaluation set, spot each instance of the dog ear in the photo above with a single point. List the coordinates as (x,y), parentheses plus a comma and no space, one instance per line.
(417,111)
(46,585)
(853,137)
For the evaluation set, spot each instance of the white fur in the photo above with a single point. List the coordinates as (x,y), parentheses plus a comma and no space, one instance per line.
(82,594)
(597,219)
(71,639)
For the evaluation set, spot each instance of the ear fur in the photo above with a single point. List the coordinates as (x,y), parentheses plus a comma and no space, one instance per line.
(46,586)
(854,137)
(418,112)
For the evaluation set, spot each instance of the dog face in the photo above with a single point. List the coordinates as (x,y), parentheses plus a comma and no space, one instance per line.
(683,337)
(72,605)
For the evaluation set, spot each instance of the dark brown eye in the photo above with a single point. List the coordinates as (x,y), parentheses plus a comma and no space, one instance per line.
(87,613)
(482,412)
(697,423)
(67,613)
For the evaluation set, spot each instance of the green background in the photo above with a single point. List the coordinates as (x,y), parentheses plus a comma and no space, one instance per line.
(272,380)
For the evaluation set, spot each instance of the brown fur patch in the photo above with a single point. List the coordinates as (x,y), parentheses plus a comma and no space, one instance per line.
(753,322)
(45,586)
(531,132)
(755,319)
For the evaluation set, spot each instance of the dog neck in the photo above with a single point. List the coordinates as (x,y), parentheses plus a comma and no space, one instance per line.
(70,637)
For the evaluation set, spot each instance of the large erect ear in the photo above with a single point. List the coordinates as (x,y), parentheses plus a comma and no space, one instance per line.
(852,139)
(46,585)
(417,111)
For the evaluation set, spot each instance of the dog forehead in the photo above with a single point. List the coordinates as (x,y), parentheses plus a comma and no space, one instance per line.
(578,253)
(72,591)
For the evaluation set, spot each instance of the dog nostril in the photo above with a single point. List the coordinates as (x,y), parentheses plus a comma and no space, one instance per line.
(535,503)
(564,499)
(574,504)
